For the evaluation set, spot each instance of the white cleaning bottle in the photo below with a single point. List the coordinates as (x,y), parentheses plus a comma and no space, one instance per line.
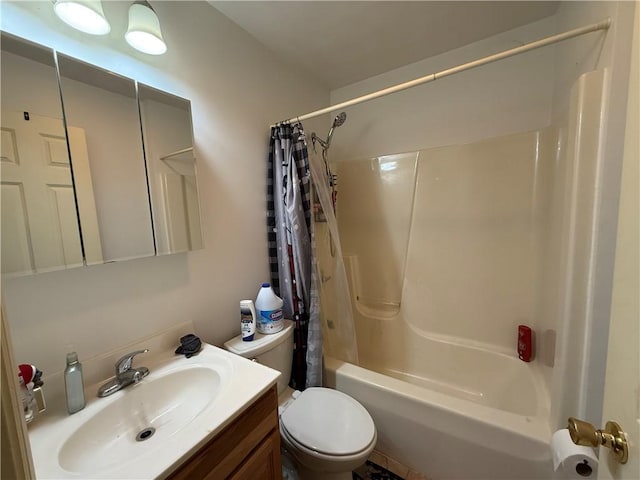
(247,320)
(269,310)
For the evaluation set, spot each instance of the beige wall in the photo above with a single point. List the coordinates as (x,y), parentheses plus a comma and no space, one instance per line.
(509,96)
(622,402)
(237,89)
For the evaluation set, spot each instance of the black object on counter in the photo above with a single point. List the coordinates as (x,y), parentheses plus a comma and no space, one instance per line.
(189,345)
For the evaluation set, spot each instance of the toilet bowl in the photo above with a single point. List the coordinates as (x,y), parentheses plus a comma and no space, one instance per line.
(326,432)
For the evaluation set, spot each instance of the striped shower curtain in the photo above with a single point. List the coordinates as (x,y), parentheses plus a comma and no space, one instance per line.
(290,237)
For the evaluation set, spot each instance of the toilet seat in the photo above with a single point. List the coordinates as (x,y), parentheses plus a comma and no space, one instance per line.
(328,422)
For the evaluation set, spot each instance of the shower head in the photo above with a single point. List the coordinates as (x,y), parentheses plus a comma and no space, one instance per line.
(337,122)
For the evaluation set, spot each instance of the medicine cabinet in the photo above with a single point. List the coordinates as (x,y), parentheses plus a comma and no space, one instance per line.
(168,143)
(95,167)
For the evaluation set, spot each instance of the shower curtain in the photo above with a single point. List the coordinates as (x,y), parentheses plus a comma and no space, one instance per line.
(290,239)
(336,320)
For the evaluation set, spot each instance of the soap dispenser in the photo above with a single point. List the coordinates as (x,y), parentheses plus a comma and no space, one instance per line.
(73,384)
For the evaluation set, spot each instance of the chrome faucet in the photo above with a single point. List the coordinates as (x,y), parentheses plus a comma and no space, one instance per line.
(125,374)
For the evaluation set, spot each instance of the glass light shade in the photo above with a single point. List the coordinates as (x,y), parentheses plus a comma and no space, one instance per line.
(144,30)
(84,15)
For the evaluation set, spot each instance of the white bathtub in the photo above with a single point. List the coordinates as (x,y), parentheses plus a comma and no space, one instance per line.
(484,416)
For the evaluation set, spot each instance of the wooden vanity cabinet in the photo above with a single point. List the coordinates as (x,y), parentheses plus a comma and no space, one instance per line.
(246,449)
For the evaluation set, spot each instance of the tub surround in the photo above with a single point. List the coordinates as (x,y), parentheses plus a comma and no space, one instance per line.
(459,232)
(464,273)
(498,234)
(521,94)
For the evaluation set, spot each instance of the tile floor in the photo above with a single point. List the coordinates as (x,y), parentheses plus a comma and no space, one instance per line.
(382,467)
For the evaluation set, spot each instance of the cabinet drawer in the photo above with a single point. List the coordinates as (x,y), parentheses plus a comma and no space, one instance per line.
(264,463)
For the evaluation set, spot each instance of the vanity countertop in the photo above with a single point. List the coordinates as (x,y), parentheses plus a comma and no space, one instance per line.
(187,400)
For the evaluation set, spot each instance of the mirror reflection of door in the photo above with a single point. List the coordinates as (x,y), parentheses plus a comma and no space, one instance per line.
(39,220)
(105,201)
(168,140)
(105,106)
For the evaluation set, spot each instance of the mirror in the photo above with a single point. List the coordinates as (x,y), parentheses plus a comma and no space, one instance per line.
(103,123)
(112,178)
(39,220)
(168,144)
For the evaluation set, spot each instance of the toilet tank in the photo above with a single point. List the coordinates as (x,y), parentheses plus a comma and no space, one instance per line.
(274,350)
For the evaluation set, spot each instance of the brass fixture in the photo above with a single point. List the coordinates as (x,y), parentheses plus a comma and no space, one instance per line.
(612,437)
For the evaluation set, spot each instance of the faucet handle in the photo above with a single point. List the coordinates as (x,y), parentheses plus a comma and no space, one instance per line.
(125,362)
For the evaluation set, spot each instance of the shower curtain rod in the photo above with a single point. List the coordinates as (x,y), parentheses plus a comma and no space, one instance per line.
(602,25)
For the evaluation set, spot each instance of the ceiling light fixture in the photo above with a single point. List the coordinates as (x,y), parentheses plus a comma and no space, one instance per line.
(84,15)
(144,29)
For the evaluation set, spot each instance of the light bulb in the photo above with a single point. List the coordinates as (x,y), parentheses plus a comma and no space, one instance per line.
(84,15)
(144,30)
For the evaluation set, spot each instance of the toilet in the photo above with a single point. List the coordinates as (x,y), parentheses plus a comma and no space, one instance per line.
(325,432)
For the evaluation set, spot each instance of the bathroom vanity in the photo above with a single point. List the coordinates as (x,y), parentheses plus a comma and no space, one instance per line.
(211,416)
(247,449)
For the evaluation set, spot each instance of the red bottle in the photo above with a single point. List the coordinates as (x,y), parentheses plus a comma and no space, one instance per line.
(525,343)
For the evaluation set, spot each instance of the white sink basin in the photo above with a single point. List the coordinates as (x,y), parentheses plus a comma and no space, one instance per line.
(110,437)
(146,430)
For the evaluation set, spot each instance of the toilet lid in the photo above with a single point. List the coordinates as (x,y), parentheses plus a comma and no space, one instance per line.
(329,422)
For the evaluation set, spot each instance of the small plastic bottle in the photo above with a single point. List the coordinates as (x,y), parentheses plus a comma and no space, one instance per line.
(247,320)
(26,396)
(73,383)
(269,310)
